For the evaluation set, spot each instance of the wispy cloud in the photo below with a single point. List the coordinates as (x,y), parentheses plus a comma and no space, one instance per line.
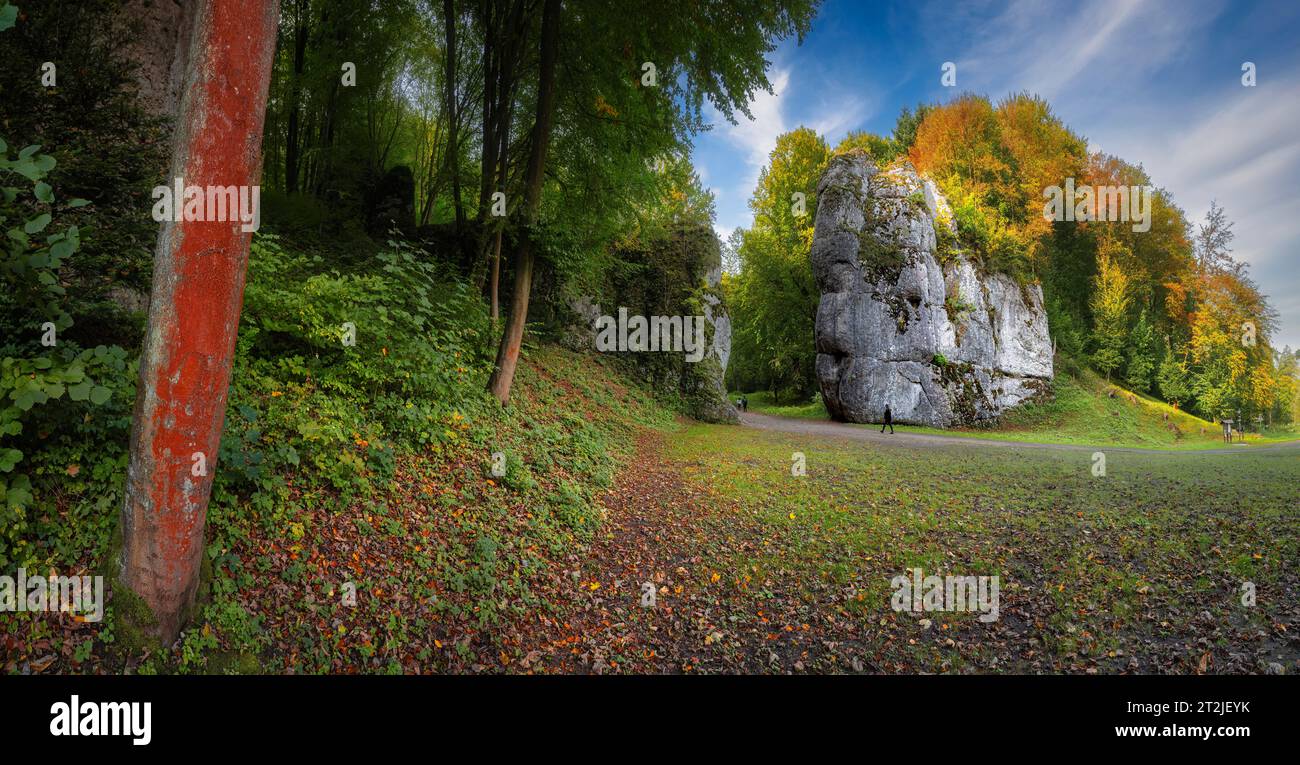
(828,112)
(1059,50)
(757,137)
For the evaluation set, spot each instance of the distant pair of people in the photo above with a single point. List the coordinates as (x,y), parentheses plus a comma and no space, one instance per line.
(742,404)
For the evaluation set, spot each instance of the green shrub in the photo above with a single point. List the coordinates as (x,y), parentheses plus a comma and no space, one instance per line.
(984,234)
(334,370)
(45,379)
(109,149)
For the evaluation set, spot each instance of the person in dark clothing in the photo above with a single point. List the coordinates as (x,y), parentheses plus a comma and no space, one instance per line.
(889,421)
(744,403)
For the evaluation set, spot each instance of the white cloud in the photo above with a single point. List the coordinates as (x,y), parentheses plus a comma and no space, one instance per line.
(757,137)
(1237,146)
(1059,52)
(754,139)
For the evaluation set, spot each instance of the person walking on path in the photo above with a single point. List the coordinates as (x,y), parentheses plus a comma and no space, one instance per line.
(889,421)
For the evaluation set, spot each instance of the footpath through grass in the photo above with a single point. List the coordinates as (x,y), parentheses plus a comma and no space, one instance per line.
(1082,411)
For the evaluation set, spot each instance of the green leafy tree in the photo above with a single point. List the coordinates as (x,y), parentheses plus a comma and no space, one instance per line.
(714,51)
(1141,357)
(775,293)
(1110,299)
(1286,400)
(882,150)
(1172,378)
(906,124)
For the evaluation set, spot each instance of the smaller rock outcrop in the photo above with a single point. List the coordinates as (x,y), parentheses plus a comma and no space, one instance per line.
(678,276)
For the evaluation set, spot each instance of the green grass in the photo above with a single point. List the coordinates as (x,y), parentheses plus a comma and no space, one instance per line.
(762,401)
(1081,412)
(1095,571)
(442,555)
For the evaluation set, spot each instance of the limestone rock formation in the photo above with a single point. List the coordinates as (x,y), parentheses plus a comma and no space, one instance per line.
(906,319)
(677,276)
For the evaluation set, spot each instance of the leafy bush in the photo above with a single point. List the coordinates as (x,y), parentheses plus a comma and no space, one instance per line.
(333,369)
(37,367)
(986,235)
(109,149)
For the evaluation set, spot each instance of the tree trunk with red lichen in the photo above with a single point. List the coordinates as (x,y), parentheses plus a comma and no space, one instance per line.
(198,288)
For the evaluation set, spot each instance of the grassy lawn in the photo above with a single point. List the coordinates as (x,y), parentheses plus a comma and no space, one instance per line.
(1138,570)
(762,401)
(1082,412)
(543,568)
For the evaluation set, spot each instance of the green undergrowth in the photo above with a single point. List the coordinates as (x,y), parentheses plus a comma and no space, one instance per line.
(373,509)
(467,535)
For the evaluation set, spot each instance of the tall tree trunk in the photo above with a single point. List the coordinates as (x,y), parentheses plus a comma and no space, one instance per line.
(511,341)
(503,165)
(325,144)
(496,279)
(293,149)
(453,114)
(500,224)
(198,289)
(432,178)
(501,46)
(159,53)
(491,75)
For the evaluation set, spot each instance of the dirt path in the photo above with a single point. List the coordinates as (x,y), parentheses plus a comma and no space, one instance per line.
(654,540)
(668,535)
(925,440)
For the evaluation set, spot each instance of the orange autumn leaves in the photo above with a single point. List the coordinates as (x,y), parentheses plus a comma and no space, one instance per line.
(1004,155)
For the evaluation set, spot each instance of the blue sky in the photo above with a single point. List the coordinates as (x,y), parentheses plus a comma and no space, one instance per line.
(1157,83)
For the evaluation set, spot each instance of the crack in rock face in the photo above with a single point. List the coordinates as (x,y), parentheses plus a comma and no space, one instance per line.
(906,319)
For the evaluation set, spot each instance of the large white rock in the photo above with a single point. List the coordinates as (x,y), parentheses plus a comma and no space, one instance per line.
(941,344)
